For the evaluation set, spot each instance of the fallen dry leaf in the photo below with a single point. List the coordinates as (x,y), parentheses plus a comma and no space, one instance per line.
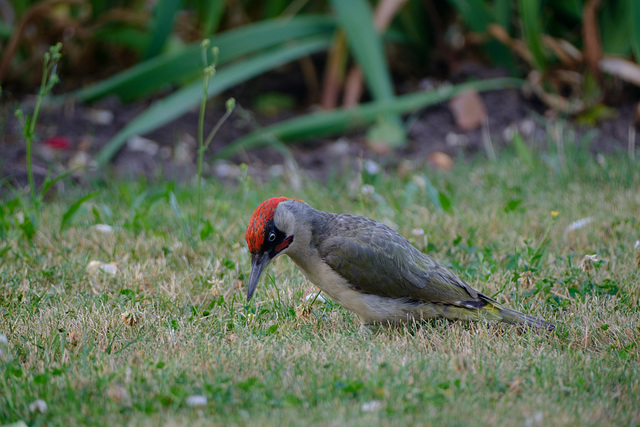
(440,160)
(468,110)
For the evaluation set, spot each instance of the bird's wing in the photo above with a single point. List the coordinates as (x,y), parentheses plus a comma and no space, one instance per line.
(379,261)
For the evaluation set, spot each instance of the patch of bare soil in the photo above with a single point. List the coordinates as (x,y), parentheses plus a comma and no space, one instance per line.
(72,135)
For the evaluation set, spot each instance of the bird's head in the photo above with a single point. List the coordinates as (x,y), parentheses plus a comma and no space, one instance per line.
(269,234)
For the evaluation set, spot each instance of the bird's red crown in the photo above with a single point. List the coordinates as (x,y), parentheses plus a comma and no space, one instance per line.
(261,216)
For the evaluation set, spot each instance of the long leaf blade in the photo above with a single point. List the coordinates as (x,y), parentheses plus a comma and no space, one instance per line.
(635,28)
(356,19)
(186,98)
(344,120)
(177,67)
(530,13)
(162,24)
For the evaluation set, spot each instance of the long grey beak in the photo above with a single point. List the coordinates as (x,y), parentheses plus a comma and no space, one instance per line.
(258,263)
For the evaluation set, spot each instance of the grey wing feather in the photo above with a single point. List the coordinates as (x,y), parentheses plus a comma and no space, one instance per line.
(379,261)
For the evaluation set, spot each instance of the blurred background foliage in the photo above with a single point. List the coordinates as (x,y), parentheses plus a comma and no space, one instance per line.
(574,55)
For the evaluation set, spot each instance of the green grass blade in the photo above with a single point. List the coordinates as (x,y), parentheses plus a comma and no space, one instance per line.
(531,17)
(186,98)
(344,120)
(635,27)
(162,25)
(178,67)
(175,206)
(48,183)
(73,209)
(356,19)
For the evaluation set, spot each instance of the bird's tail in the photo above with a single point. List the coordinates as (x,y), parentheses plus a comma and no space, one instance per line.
(496,311)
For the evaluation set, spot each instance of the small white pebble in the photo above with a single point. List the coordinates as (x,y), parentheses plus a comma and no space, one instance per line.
(100,117)
(117,393)
(578,224)
(276,171)
(224,169)
(144,145)
(371,167)
(456,140)
(527,127)
(371,406)
(196,400)
(592,258)
(637,245)
(103,228)
(536,419)
(39,406)
(312,297)
(95,266)
(80,160)
(367,190)
(417,232)
(509,132)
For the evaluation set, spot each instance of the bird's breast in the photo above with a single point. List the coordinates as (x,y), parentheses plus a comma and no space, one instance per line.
(371,308)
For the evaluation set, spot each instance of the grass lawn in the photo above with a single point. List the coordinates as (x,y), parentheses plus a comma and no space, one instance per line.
(169,339)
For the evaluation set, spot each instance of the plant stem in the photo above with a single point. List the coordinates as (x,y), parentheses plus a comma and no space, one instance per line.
(231,104)
(49,79)
(207,74)
(201,147)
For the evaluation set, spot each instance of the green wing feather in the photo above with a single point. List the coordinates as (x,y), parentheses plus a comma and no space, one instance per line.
(379,261)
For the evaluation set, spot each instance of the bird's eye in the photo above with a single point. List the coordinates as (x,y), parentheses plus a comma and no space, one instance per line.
(272,236)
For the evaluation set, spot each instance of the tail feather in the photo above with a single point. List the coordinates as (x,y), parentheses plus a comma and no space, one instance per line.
(483,308)
(508,315)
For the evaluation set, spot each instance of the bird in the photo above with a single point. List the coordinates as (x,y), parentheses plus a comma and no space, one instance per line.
(367,267)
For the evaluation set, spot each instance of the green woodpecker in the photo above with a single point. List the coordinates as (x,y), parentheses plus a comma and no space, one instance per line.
(366,267)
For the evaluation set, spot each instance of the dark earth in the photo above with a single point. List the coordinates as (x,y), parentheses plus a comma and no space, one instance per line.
(170,152)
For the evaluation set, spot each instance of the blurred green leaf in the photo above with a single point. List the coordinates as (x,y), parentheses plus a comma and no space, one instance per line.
(478,15)
(502,13)
(445,202)
(189,96)
(162,25)
(595,114)
(635,27)
(272,103)
(178,67)
(615,27)
(522,150)
(48,183)
(531,16)
(385,130)
(206,231)
(340,120)
(512,205)
(5,30)
(212,12)
(132,38)
(71,212)
(356,20)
